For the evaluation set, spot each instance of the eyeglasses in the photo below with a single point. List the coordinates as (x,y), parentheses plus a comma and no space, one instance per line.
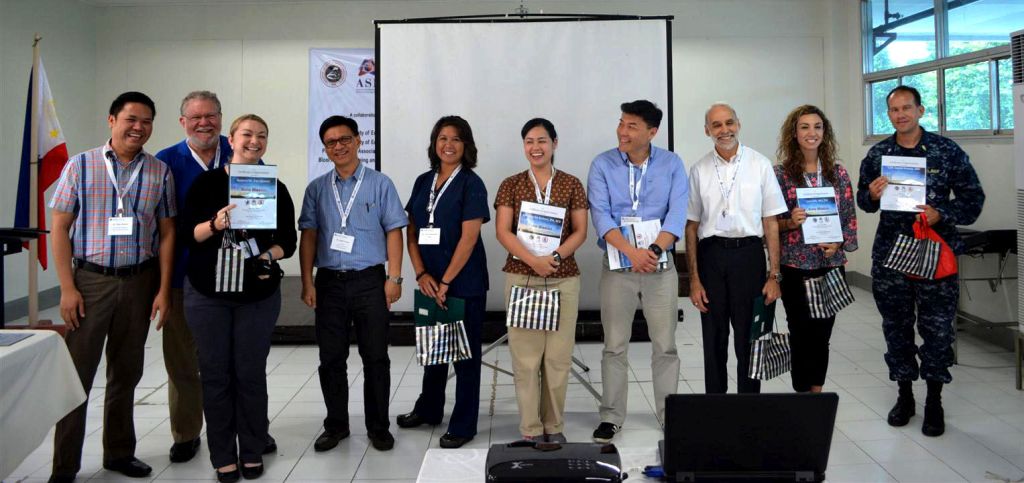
(207,117)
(344,141)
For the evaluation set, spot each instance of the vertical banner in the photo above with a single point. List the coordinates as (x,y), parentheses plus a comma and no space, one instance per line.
(341,82)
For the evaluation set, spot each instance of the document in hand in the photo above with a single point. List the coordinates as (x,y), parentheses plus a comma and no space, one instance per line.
(908,181)
(253,191)
(642,235)
(427,312)
(764,318)
(822,224)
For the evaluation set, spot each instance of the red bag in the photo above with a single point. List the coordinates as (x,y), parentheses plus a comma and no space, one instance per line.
(947,259)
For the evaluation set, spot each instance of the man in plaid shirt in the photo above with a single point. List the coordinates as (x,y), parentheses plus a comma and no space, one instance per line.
(113,244)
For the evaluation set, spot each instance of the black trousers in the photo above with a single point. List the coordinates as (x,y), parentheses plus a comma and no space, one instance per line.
(732,277)
(233,341)
(345,300)
(808,338)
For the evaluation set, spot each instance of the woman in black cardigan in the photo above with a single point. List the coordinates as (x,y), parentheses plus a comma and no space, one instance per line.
(232,329)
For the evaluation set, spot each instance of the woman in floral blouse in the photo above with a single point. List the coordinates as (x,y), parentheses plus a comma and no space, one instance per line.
(807,158)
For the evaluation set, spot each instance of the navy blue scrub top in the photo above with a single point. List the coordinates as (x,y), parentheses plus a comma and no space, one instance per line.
(465,199)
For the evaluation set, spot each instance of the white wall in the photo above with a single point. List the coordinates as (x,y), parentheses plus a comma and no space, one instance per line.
(765,57)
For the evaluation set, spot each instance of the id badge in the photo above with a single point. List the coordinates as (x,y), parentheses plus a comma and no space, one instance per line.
(629,220)
(430,236)
(250,248)
(725,222)
(342,242)
(120,225)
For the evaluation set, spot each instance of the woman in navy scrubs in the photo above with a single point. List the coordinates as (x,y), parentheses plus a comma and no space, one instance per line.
(446,210)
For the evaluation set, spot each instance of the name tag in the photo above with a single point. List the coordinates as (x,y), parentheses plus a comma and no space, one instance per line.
(120,225)
(430,236)
(628,220)
(250,248)
(342,242)
(725,222)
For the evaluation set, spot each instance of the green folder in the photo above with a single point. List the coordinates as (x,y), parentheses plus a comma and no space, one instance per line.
(427,312)
(764,318)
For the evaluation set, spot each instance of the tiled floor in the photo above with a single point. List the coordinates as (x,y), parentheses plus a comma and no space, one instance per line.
(984,414)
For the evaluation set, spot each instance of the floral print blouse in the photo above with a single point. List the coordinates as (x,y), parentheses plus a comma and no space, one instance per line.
(795,253)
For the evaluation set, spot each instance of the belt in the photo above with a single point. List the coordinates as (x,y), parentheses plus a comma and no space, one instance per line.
(348,274)
(125,271)
(732,242)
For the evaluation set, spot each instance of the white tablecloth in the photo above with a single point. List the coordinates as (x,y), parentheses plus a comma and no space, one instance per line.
(38,387)
(469,465)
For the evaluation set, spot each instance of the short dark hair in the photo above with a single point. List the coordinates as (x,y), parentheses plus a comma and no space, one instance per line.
(539,121)
(131,96)
(465,134)
(647,111)
(911,90)
(335,121)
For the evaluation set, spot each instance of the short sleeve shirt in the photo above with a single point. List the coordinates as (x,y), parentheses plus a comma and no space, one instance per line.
(465,199)
(566,192)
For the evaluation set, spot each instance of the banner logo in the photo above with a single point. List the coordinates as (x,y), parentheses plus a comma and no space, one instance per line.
(333,74)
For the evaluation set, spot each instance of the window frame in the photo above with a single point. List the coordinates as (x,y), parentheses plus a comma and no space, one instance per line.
(939,65)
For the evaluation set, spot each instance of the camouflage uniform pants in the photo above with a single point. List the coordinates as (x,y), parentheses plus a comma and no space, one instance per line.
(931,305)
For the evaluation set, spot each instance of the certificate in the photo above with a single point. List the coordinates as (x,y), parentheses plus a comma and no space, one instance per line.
(822,224)
(253,191)
(641,235)
(540,227)
(908,182)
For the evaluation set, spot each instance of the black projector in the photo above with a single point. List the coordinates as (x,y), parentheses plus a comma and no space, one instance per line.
(529,462)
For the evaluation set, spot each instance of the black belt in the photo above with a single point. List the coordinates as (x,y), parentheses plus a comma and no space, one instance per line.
(125,271)
(732,242)
(348,274)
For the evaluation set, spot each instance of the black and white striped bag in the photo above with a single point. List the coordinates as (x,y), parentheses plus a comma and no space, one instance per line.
(441,343)
(770,357)
(230,266)
(530,308)
(827,295)
(914,256)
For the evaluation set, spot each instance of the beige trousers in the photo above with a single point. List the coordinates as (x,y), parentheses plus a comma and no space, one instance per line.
(541,359)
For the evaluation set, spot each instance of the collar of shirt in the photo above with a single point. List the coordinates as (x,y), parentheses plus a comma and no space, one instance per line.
(108,153)
(735,157)
(213,164)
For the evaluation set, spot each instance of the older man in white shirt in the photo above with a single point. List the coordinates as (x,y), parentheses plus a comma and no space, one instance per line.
(734,197)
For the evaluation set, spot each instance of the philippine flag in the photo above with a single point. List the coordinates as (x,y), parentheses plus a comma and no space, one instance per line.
(53,154)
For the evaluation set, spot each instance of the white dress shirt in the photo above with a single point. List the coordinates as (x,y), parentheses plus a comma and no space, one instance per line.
(753,193)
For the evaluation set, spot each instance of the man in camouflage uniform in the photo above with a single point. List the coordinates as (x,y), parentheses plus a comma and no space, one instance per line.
(949,173)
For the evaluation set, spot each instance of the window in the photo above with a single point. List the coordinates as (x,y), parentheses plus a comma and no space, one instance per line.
(955,52)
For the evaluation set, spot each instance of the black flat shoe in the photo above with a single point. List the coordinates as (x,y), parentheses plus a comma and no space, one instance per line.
(329,439)
(252,472)
(61,479)
(271,446)
(229,476)
(182,452)
(130,466)
(382,440)
(412,420)
(449,440)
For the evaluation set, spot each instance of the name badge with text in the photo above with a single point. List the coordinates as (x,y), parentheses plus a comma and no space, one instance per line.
(342,242)
(120,225)
(430,236)
(629,220)
(725,222)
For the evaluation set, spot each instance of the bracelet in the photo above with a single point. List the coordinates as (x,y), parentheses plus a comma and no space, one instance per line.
(443,282)
(420,275)
(213,225)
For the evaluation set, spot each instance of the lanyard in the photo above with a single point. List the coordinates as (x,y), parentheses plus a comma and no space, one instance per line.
(351,199)
(721,184)
(635,186)
(547,190)
(215,161)
(435,198)
(820,181)
(117,187)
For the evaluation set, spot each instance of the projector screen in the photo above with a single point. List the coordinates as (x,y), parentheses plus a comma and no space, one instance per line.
(499,74)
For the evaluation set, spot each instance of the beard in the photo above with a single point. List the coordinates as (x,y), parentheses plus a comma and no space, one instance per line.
(203,144)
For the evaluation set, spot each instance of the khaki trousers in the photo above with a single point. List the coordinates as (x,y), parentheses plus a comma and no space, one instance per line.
(620,294)
(184,388)
(541,359)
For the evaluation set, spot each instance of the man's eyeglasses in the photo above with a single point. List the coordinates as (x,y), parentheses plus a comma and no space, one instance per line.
(344,141)
(207,117)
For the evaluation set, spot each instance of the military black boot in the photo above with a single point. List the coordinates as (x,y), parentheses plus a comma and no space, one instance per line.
(900,414)
(934,416)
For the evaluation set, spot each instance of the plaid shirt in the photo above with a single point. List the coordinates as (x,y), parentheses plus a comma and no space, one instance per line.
(85,189)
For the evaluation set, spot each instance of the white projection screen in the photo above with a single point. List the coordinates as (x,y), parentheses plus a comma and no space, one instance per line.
(497,74)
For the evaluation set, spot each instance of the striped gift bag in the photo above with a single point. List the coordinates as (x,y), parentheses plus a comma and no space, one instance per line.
(770,356)
(441,343)
(230,265)
(914,256)
(827,295)
(530,308)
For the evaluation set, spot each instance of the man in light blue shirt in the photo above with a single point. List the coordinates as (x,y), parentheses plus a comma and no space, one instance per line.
(351,224)
(632,183)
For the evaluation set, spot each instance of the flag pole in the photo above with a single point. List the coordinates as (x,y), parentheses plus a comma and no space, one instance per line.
(33,188)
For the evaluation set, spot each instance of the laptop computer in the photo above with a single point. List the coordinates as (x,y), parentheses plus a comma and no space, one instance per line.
(749,437)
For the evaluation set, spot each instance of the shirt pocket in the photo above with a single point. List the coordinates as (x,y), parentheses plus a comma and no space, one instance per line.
(365,216)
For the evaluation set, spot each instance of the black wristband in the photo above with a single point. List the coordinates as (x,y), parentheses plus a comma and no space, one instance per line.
(443,282)
(420,275)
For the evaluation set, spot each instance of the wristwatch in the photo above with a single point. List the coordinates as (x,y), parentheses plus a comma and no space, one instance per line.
(557,256)
(777,276)
(656,249)
(397,280)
